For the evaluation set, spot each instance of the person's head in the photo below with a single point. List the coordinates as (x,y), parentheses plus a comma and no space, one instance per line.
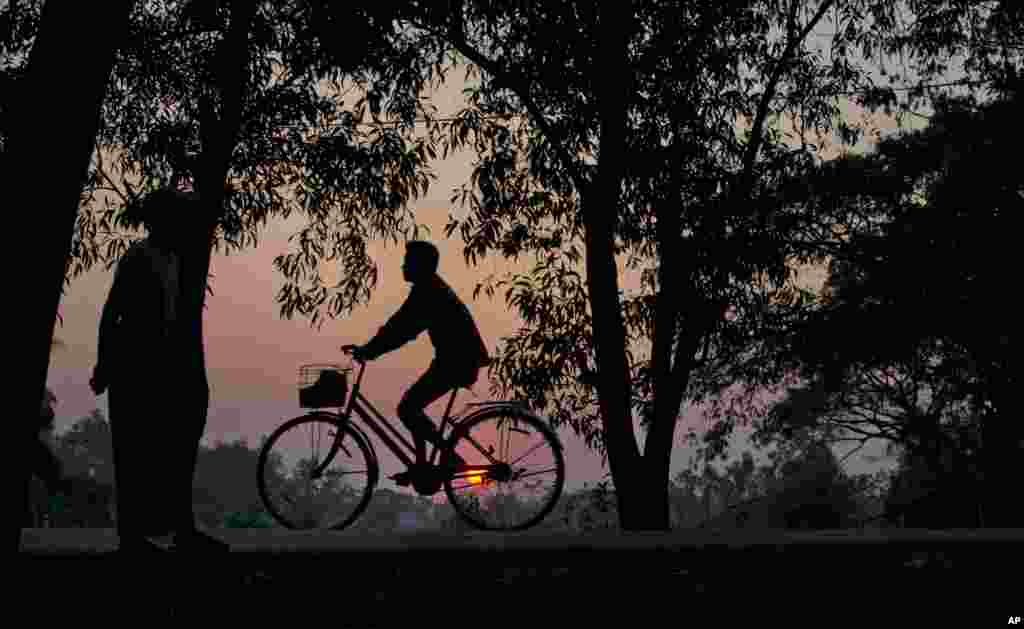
(421,259)
(163,215)
(152,213)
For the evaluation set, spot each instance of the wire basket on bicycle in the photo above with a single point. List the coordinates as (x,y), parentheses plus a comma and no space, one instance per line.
(323,385)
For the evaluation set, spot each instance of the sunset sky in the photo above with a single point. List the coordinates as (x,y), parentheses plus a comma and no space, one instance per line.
(253,354)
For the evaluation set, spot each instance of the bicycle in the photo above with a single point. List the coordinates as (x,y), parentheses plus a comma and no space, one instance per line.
(320,492)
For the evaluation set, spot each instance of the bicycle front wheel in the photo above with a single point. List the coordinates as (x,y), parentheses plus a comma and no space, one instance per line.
(514,470)
(315,472)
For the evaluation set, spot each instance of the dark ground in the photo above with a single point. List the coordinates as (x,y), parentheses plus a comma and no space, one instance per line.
(865,579)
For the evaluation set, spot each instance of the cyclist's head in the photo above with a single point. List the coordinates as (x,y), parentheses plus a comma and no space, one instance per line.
(421,259)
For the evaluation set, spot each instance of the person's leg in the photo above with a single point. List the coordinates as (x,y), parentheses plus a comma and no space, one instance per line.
(138,468)
(433,384)
(192,416)
(121,438)
(188,454)
(191,424)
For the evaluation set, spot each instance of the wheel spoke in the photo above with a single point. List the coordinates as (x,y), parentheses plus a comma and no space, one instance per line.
(515,503)
(307,491)
(547,471)
(481,449)
(528,453)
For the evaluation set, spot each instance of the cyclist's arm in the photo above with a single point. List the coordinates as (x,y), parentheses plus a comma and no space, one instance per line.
(404,326)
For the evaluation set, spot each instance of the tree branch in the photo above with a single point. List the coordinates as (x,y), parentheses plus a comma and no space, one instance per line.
(520,86)
(668,230)
(101,169)
(863,442)
(792,41)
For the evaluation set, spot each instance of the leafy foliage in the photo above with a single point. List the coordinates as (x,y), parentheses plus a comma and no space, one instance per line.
(324,134)
(924,43)
(912,343)
(689,173)
(801,485)
(86,449)
(19,23)
(225,492)
(934,205)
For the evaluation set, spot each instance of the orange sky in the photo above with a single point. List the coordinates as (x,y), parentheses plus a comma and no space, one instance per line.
(253,354)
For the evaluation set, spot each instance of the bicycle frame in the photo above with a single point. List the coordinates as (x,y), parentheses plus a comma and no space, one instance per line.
(337,430)
(395,441)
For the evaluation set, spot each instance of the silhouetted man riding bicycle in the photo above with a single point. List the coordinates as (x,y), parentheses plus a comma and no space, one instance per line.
(459,350)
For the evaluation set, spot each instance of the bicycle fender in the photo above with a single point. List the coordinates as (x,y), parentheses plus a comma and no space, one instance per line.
(484,407)
(522,403)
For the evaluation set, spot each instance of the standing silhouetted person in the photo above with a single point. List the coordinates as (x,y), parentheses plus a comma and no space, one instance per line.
(140,360)
(459,350)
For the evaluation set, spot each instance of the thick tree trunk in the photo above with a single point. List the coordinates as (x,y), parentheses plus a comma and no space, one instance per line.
(219,137)
(600,207)
(657,457)
(1003,453)
(1010,455)
(643,500)
(52,126)
(665,371)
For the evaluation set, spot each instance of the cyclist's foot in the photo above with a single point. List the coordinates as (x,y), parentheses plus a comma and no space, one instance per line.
(404,479)
(456,461)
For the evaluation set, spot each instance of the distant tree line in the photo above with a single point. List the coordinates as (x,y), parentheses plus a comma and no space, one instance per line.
(801,485)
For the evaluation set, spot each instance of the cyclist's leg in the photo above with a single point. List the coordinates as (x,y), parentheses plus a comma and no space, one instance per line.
(431,386)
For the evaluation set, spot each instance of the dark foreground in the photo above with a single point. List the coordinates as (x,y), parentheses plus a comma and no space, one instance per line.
(688,578)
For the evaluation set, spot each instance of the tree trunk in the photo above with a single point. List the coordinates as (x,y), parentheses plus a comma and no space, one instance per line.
(643,500)
(600,207)
(52,124)
(219,136)
(1002,456)
(666,372)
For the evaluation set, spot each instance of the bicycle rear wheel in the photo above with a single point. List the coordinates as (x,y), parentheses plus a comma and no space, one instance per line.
(302,489)
(514,472)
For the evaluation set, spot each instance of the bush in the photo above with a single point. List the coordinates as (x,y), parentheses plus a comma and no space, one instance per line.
(248,520)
